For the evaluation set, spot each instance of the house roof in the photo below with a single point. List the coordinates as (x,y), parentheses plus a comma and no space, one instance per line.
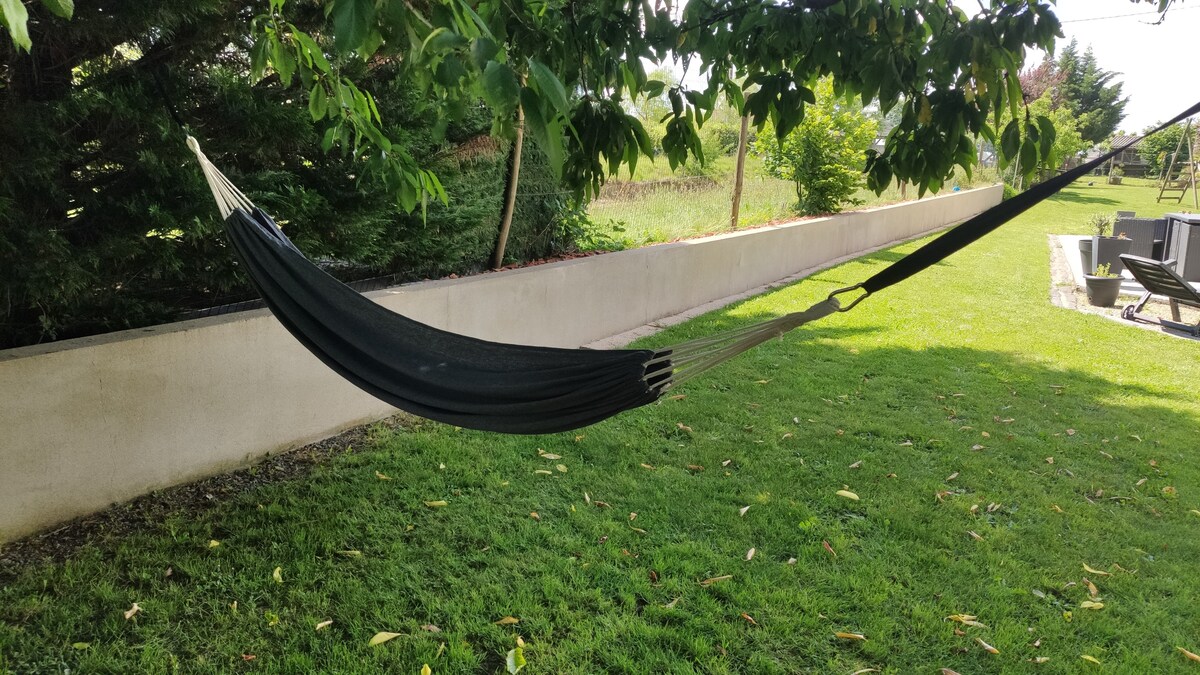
(1120,141)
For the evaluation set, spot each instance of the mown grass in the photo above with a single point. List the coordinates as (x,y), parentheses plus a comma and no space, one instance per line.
(940,403)
(670,213)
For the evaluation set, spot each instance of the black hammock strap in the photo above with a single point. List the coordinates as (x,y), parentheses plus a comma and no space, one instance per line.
(511,388)
(977,227)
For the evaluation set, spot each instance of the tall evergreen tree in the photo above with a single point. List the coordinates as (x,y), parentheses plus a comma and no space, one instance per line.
(106,222)
(1091,93)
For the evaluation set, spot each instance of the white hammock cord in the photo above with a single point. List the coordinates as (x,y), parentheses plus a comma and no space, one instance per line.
(226,194)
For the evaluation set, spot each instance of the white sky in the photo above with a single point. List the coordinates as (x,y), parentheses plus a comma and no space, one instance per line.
(1157,63)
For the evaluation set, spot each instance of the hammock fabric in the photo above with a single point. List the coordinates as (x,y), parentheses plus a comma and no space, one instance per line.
(510,388)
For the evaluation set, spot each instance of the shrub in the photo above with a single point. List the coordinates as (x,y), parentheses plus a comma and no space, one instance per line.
(824,155)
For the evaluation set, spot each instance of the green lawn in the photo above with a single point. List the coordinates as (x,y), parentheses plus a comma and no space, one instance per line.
(669,214)
(997,444)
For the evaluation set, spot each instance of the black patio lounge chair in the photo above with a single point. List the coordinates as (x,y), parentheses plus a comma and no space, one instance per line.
(1159,279)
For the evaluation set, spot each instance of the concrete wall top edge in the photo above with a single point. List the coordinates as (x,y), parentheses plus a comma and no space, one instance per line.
(260,314)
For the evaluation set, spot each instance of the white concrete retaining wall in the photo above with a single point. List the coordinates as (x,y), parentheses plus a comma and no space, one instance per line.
(85,423)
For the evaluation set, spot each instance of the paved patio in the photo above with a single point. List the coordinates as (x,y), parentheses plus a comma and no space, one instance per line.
(1068,289)
(1069,244)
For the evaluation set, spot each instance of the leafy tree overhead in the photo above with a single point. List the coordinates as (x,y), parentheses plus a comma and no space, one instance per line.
(950,71)
(571,64)
(823,154)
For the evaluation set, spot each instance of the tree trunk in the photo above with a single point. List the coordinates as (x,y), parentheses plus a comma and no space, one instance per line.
(739,173)
(510,199)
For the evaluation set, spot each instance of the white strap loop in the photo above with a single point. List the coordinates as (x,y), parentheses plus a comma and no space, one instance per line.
(226,194)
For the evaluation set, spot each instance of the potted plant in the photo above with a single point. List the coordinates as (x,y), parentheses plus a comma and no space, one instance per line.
(1115,176)
(1103,287)
(1106,250)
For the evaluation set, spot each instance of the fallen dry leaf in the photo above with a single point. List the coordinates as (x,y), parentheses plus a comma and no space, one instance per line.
(551,456)
(1189,655)
(213,543)
(856,464)
(638,530)
(1140,483)
(431,628)
(1100,573)
(437,504)
(791,561)
(749,618)
(507,621)
(1196,512)
(975,535)
(750,554)
(277,575)
(712,580)
(632,516)
(602,505)
(977,447)
(742,511)
(1090,659)
(382,476)
(683,427)
(947,671)
(986,647)
(829,548)
(1056,508)
(906,444)
(426,670)
(671,604)
(850,636)
(1049,460)
(1088,604)
(695,467)
(647,466)
(382,637)
(1039,659)
(1169,491)
(323,625)
(847,494)
(535,516)
(543,472)
(952,476)
(1092,590)
(1070,432)
(1106,454)
(351,554)
(133,611)
(248,657)
(562,468)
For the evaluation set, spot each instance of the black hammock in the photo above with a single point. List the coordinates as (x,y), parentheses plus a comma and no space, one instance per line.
(521,389)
